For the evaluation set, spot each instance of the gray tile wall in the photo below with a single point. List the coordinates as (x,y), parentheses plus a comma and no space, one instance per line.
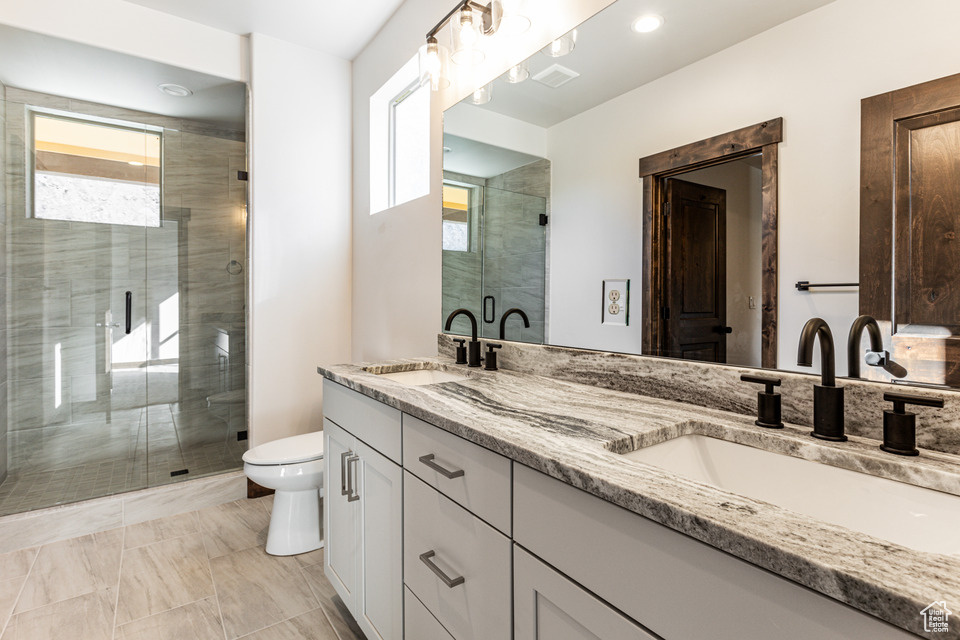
(62,275)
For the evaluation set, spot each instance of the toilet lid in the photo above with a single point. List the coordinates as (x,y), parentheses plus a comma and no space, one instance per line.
(303,448)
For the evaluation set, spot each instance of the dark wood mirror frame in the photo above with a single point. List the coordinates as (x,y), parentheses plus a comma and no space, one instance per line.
(909,253)
(762,138)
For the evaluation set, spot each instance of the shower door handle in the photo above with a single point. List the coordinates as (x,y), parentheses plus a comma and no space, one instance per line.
(129,311)
(493,309)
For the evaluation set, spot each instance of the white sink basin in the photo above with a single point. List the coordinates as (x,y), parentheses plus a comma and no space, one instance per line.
(420,377)
(918,518)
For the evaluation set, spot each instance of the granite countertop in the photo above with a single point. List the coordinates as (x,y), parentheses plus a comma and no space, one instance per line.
(574,432)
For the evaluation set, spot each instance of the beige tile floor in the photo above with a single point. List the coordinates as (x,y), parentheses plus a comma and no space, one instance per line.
(200,575)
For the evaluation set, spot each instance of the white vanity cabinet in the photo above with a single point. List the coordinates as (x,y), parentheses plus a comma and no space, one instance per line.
(363,511)
(550,606)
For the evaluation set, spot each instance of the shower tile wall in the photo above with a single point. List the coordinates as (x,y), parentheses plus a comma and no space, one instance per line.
(512,266)
(3,284)
(91,434)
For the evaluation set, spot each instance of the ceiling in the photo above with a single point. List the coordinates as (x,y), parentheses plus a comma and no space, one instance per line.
(46,64)
(338,27)
(479,159)
(611,59)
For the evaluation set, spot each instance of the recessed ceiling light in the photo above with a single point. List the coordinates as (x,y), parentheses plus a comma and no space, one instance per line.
(647,23)
(175,90)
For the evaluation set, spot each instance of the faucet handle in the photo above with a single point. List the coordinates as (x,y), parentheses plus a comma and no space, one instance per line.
(900,426)
(461,350)
(490,362)
(768,401)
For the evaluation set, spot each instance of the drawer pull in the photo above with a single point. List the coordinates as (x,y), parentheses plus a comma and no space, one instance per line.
(352,489)
(426,558)
(343,472)
(446,473)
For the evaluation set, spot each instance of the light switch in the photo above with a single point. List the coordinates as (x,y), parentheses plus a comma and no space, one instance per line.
(616,302)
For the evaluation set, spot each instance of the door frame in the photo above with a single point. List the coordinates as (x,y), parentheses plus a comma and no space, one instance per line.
(763,138)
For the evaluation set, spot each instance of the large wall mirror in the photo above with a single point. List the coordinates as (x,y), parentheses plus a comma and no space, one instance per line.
(695,191)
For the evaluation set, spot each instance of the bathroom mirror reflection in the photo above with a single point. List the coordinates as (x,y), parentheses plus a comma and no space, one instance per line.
(123,329)
(715,271)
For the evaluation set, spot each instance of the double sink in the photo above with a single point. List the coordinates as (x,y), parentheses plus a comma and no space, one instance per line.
(915,517)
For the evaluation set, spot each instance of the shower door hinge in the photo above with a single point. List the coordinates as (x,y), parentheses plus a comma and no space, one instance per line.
(241,435)
(243,175)
(543,219)
(181,472)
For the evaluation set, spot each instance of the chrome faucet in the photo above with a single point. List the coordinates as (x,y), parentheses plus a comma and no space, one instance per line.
(474,350)
(827,396)
(506,314)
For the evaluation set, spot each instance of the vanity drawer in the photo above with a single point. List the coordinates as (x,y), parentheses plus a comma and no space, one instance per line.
(418,622)
(481,478)
(456,564)
(377,424)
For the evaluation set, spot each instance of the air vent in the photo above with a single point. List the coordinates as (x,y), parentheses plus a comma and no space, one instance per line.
(556,76)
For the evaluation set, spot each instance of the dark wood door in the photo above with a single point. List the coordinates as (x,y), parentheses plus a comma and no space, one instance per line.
(695,279)
(910,246)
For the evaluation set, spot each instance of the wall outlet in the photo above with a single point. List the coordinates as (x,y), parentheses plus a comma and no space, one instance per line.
(616,302)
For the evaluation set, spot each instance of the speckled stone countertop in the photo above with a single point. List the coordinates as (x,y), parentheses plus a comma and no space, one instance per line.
(574,432)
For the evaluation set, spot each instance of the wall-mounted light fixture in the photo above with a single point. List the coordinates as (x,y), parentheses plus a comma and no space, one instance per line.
(471,22)
(517,73)
(483,95)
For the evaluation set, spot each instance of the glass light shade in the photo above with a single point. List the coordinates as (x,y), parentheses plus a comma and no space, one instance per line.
(466,36)
(517,74)
(433,60)
(562,45)
(513,22)
(483,95)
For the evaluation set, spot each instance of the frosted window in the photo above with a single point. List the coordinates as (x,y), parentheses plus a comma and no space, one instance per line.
(456,236)
(88,171)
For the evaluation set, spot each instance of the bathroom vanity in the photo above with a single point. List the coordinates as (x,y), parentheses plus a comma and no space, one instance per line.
(511,505)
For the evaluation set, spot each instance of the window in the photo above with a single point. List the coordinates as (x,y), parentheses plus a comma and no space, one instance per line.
(90,171)
(409,144)
(399,140)
(456,218)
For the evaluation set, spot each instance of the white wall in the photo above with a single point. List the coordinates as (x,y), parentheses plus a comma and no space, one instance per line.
(396,253)
(469,121)
(300,232)
(813,71)
(135,30)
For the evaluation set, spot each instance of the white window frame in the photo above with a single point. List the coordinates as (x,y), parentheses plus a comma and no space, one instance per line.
(392,140)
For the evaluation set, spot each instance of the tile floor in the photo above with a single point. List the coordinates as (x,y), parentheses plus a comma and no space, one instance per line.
(136,449)
(200,575)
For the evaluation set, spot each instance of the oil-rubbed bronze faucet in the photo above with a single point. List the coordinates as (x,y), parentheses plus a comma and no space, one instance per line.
(827,396)
(474,347)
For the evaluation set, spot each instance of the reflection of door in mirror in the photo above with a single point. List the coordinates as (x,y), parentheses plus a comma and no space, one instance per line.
(909,221)
(695,272)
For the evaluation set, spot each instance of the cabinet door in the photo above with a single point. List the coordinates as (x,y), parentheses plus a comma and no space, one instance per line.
(549,606)
(340,519)
(379,609)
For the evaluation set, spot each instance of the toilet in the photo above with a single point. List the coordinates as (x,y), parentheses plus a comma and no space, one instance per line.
(294,468)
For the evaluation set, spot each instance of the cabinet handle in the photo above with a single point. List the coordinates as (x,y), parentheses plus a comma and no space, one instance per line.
(343,472)
(426,558)
(352,489)
(446,473)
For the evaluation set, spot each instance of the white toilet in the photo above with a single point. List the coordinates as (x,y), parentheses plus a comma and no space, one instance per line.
(294,467)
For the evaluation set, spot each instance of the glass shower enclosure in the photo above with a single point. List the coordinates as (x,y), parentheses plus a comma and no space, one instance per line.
(123,333)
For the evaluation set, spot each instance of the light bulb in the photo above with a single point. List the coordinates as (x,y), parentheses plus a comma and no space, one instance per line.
(483,94)
(513,22)
(468,28)
(562,45)
(518,73)
(432,65)
(555,48)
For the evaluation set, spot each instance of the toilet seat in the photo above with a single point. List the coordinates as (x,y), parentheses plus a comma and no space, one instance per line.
(293,450)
